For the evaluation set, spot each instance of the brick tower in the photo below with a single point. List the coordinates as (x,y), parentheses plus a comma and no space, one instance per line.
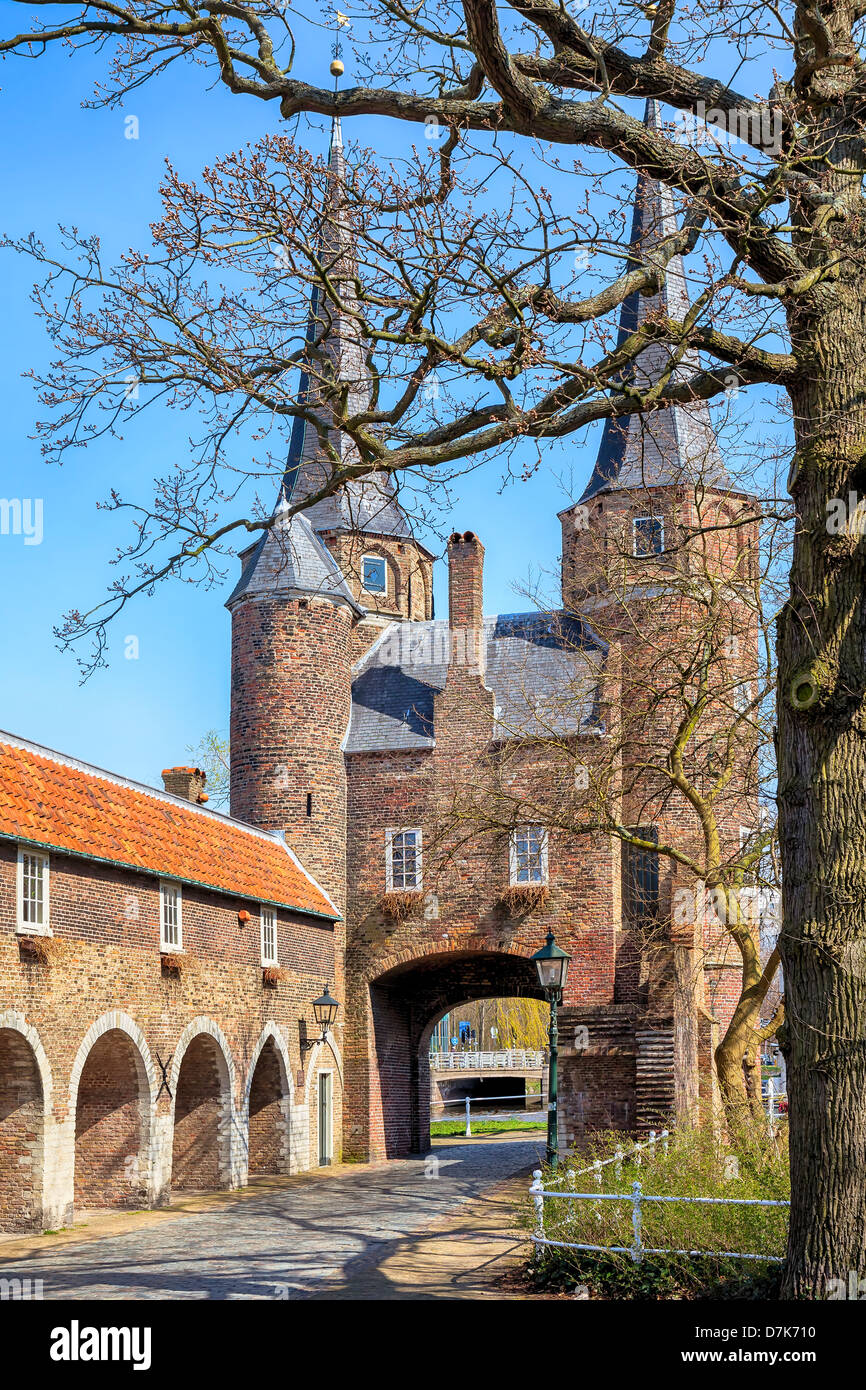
(659,534)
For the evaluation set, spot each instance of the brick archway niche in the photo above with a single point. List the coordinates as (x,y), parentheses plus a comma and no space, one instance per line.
(22,1134)
(112,1124)
(390,1020)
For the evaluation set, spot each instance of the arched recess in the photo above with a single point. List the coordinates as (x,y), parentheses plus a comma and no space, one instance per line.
(325,1057)
(268,1096)
(111,1094)
(203,1079)
(389,1077)
(25,1101)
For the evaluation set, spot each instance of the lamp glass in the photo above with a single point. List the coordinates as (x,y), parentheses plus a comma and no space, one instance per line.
(551,963)
(325,1008)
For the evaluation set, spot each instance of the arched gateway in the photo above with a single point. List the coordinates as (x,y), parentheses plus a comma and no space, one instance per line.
(399,1008)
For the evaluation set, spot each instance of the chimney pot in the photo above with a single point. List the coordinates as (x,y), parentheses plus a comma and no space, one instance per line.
(187,782)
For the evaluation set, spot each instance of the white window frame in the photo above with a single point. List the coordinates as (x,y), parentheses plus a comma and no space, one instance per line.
(170,885)
(742,696)
(380,560)
(271,913)
(42,928)
(419,859)
(645,555)
(513,866)
(329,1140)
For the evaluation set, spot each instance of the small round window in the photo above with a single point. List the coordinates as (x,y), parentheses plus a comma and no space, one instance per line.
(374,574)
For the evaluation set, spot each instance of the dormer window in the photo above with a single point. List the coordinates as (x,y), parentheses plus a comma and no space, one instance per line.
(374,574)
(649,535)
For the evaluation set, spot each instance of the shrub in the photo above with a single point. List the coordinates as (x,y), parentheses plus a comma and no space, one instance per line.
(272,974)
(698,1163)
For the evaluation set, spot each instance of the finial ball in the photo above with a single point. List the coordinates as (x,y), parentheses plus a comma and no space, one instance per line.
(337,68)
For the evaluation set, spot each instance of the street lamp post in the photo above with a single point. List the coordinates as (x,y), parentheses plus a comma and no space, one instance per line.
(551,963)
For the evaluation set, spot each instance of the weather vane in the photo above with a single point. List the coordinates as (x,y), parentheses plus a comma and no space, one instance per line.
(337,65)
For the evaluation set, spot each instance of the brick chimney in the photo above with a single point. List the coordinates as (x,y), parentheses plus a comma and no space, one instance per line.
(466,601)
(187,782)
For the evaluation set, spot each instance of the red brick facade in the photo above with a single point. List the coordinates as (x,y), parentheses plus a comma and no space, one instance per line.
(121,1079)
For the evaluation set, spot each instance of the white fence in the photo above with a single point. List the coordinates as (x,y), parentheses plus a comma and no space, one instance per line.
(638,1198)
(490,1102)
(516,1059)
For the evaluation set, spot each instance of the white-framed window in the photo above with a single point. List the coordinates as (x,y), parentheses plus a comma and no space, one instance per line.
(528,855)
(648,535)
(374,574)
(269,936)
(33,892)
(742,696)
(170,917)
(403,859)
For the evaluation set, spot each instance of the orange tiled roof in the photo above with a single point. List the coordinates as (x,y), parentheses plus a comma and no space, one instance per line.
(57,802)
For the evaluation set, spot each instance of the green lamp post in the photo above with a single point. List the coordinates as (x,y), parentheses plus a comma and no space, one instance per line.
(551,962)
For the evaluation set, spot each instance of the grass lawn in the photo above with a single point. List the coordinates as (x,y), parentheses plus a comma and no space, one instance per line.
(445,1127)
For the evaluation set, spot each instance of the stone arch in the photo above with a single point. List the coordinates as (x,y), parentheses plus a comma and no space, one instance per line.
(111,1095)
(26,1098)
(316,1057)
(325,1056)
(203,1088)
(268,1099)
(396,1017)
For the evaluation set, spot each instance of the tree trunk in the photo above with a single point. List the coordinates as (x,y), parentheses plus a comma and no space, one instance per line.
(822,807)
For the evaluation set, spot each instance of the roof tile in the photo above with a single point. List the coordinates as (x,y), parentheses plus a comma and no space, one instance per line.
(62,804)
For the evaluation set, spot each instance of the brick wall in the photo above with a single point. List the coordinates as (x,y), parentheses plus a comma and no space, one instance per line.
(101,1015)
(110,1130)
(202,1121)
(21,1134)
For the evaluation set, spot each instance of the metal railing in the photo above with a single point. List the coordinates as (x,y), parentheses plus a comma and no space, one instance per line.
(638,1198)
(489,1101)
(515,1059)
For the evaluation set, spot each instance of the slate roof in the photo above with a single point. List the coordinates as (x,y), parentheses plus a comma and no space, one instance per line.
(291,559)
(59,803)
(544,670)
(335,349)
(677,444)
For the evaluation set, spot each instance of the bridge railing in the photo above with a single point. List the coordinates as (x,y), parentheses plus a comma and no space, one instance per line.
(514,1059)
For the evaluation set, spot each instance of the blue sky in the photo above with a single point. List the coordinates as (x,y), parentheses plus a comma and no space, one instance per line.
(64,164)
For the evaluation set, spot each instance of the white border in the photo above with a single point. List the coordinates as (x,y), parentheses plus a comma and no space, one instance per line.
(23,928)
(168,947)
(389,860)
(512,855)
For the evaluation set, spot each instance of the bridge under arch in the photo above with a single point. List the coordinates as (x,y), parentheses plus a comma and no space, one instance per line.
(391,1020)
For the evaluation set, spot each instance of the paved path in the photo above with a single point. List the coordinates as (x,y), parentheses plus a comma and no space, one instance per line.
(441,1227)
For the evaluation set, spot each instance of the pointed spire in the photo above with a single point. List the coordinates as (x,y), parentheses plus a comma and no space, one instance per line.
(334,346)
(290,559)
(676,444)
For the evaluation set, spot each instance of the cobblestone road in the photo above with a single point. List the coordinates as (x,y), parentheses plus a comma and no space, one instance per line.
(372,1232)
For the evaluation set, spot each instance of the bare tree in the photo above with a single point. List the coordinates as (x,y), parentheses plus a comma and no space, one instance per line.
(677,762)
(464,256)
